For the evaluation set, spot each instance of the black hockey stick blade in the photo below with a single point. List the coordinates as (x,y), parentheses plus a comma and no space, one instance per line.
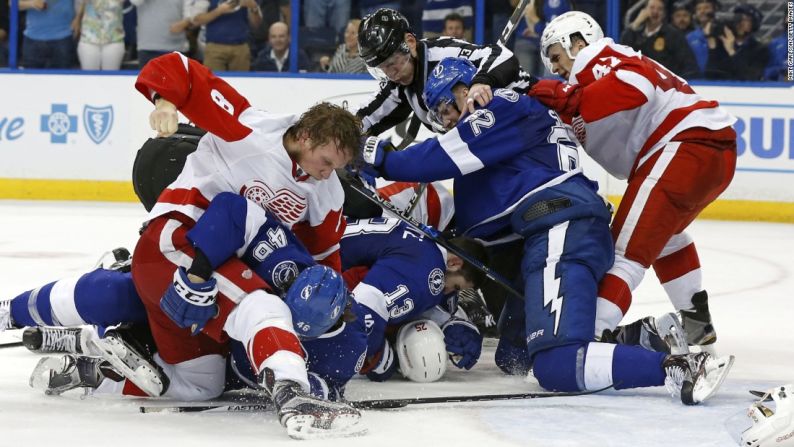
(384,404)
(517,15)
(12,344)
(231,408)
(376,404)
(431,233)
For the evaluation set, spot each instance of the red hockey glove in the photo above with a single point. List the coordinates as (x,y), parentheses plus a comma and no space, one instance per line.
(561,97)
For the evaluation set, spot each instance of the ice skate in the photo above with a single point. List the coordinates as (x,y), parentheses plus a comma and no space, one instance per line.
(131,363)
(697,322)
(54,375)
(308,417)
(5,316)
(72,340)
(695,377)
(117,259)
(662,334)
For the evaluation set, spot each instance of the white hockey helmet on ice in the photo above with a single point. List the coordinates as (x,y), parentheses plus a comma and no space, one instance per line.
(766,426)
(563,27)
(421,351)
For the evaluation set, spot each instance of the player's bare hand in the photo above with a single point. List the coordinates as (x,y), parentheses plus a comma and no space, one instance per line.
(164,118)
(479,94)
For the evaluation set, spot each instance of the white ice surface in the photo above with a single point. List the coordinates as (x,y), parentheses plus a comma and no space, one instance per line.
(748,270)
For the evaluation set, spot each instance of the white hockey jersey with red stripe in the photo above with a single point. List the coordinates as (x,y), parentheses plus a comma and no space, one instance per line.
(631,106)
(435,207)
(243,152)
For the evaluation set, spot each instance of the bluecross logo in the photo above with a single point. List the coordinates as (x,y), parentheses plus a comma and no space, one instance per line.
(58,123)
(97,122)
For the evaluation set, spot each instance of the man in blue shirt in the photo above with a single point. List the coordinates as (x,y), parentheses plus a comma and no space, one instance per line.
(228,24)
(50,31)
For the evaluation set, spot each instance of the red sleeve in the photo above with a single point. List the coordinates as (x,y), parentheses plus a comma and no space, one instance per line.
(609,95)
(354,275)
(205,99)
(322,240)
(613,82)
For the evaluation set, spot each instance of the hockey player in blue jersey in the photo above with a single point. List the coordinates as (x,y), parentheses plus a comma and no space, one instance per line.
(405,277)
(518,181)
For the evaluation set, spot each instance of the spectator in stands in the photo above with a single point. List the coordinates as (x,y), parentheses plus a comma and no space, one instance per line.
(435,13)
(455,27)
(776,69)
(275,56)
(735,53)
(161,27)
(650,34)
(367,7)
(272,11)
(705,11)
(346,58)
(681,17)
(101,45)
(227,24)
(326,14)
(528,31)
(3,33)
(50,32)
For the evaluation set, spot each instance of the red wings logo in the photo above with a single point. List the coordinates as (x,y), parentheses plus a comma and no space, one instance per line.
(286,204)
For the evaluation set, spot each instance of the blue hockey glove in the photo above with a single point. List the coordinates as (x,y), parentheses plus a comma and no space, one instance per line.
(463,341)
(190,304)
(373,150)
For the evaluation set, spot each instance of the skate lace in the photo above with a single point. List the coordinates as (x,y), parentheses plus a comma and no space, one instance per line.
(58,340)
(5,315)
(676,375)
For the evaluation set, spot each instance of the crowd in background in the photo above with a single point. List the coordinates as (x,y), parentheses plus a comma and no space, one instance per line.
(697,39)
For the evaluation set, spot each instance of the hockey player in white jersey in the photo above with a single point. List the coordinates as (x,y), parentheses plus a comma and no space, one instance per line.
(677,150)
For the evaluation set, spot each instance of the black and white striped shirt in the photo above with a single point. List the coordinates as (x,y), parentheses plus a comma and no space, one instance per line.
(393,103)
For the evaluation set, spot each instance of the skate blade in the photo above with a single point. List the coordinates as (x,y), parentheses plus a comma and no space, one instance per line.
(704,390)
(671,331)
(40,377)
(144,377)
(305,427)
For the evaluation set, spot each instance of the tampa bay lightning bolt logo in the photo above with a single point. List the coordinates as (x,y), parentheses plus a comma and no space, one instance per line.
(283,273)
(97,122)
(438,71)
(436,281)
(306,292)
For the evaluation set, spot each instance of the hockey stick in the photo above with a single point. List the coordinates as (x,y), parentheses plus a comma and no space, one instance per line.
(13,344)
(433,235)
(376,404)
(518,13)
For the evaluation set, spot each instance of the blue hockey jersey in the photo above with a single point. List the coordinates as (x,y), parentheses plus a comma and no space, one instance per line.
(406,273)
(497,156)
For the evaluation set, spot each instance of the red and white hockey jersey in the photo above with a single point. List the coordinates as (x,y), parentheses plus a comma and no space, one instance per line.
(631,106)
(243,152)
(435,207)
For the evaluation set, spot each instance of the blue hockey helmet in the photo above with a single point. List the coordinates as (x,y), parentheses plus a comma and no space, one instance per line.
(317,299)
(450,72)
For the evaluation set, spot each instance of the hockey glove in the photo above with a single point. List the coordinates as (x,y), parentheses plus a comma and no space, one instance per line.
(464,342)
(382,365)
(561,97)
(374,149)
(190,304)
